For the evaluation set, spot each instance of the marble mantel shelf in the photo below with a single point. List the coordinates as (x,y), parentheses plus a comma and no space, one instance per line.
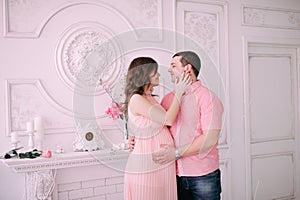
(66,160)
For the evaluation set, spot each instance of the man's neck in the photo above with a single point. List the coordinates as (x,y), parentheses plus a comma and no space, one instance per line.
(194,78)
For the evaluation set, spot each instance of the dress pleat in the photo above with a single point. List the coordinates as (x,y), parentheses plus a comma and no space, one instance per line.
(144,179)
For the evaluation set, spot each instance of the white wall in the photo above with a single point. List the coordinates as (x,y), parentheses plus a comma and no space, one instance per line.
(40,48)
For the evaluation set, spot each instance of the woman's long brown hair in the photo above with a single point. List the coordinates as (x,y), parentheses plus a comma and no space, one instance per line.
(138,77)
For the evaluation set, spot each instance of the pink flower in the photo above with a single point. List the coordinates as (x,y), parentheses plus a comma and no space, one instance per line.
(115,111)
(47,154)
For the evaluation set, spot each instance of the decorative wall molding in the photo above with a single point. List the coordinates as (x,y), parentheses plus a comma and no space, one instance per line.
(263,51)
(17,14)
(86,52)
(12,10)
(206,24)
(258,184)
(225,167)
(202,27)
(142,15)
(270,17)
(26,99)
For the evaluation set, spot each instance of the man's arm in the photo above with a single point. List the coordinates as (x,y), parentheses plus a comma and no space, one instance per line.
(199,145)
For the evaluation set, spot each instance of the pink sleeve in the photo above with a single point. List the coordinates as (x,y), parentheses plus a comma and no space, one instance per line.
(211,112)
(167,100)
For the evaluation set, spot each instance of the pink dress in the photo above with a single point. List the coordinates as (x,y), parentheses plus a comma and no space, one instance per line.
(144,179)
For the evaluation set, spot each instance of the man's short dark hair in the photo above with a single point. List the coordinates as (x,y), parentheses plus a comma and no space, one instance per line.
(190,57)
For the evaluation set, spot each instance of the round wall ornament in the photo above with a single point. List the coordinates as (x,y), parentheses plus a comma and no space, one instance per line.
(86,52)
(89,136)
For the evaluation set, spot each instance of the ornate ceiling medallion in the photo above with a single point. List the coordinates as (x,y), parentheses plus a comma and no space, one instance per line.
(86,52)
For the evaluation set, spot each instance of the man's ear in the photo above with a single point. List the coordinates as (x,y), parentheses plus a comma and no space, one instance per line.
(188,68)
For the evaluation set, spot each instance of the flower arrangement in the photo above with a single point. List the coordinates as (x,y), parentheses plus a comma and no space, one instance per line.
(116,109)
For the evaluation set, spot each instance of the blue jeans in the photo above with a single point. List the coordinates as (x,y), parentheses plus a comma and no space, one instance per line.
(207,187)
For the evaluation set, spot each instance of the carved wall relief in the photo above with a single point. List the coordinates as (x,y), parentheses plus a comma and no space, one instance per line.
(85,53)
(202,28)
(271,17)
(24,18)
(26,99)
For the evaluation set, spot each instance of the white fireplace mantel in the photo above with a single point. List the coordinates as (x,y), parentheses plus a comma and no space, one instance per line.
(65,160)
(40,172)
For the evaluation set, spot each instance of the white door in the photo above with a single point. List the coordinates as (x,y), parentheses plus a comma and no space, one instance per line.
(272,120)
(268,46)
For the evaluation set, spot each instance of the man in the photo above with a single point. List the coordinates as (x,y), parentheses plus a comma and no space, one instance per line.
(196,132)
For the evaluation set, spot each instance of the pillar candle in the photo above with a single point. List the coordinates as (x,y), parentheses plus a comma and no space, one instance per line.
(40,135)
(38,127)
(37,123)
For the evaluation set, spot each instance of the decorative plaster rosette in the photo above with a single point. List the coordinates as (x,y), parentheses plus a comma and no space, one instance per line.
(85,53)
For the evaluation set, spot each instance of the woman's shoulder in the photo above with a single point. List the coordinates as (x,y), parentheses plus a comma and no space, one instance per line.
(137,100)
(136,97)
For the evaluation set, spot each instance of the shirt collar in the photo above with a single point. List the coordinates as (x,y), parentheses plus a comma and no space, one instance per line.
(193,87)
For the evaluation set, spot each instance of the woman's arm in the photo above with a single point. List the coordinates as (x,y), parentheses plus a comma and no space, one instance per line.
(141,106)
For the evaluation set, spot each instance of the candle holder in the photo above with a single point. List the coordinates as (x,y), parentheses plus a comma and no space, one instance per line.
(14,139)
(30,140)
(14,144)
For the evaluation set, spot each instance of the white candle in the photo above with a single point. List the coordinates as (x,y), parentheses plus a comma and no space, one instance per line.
(29,126)
(14,137)
(39,135)
(38,126)
(37,123)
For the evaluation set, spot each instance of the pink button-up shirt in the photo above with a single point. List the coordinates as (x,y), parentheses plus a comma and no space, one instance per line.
(200,110)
